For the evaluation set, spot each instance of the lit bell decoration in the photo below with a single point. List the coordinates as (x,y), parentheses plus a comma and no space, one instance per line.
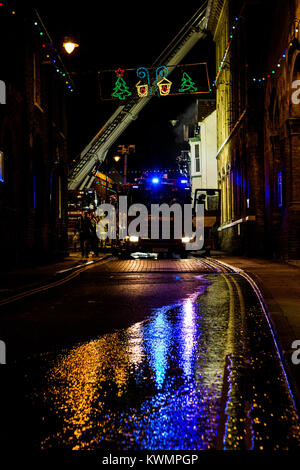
(142,89)
(164,86)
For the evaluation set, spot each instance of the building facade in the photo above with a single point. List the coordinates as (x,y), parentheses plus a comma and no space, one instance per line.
(33,144)
(257,65)
(239,129)
(203,150)
(282,132)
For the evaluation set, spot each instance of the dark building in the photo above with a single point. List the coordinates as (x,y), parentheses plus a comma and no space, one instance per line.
(33,143)
(282,131)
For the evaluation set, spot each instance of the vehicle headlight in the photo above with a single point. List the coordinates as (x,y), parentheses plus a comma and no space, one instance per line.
(133,239)
(186,239)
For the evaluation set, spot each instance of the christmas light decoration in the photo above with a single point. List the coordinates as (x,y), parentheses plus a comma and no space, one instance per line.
(282,57)
(220,67)
(270,74)
(49,53)
(121,90)
(143,89)
(187,84)
(119,72)
(164,85)
(199,84)
(264,77)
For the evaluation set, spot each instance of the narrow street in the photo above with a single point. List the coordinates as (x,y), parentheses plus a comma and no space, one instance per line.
(149,231)
(133,355)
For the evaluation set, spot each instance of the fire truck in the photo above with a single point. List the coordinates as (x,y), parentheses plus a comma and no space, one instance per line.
(164,193)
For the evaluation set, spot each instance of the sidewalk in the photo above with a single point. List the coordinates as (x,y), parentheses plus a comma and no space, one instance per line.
(280,285)
(30,277)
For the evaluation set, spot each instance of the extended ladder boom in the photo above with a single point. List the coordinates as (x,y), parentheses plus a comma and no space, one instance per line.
(95,152)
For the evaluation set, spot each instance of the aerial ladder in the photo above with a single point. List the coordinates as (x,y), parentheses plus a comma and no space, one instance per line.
(83,173)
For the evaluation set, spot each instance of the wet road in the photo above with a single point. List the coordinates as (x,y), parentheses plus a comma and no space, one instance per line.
(136,355)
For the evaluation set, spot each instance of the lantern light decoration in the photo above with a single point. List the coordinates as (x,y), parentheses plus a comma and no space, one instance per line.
(142,90)
(143,86)
(163,85)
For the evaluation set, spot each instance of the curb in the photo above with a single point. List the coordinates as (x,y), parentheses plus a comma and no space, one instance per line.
(56,279)
(258,287)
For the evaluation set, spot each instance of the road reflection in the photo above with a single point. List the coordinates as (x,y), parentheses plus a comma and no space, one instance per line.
(138,388)
(170,382)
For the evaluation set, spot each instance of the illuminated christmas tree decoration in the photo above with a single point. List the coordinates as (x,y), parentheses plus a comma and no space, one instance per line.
(187,84)
(121,90)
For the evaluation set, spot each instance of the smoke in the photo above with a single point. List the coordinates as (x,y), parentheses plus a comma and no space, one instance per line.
(187,118)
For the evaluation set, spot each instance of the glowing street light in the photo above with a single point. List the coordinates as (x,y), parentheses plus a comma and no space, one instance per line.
(69,45)
(124,150)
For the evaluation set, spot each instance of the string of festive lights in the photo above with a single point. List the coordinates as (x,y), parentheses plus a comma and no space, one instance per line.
(157,170)
(50,55)
(228,44)
(283,56)
(259,79)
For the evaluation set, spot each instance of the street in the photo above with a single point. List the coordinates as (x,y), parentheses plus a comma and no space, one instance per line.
(150,231)
(140,354)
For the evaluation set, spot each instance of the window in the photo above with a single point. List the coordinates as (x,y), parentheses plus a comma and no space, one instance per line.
(1,167)
(2,92)
(197,159)
(36,82)
(279,189)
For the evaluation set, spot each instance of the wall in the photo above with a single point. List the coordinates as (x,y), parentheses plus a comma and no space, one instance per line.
(34,143)
(207,178)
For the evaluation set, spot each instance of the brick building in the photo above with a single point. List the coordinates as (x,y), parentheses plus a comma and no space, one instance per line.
(257,124)
(282,131)
(33,145)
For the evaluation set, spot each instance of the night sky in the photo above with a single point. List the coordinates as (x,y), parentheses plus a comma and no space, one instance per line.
(122,34)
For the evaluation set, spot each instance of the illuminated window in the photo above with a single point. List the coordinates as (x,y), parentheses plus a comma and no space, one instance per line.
(1,167)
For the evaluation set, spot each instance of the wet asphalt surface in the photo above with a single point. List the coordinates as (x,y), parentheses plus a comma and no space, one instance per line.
(164,360)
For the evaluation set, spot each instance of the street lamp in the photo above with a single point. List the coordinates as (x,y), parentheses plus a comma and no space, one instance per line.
(69,45)
(124,150)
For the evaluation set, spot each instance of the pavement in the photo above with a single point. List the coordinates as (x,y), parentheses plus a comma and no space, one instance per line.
(25,278)
(279,284)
